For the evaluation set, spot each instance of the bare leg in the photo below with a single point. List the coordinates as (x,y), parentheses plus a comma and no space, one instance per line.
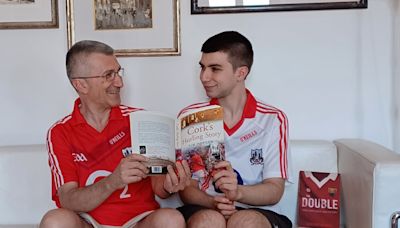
(63,218)
(248,218)
(163,218)
(207,219)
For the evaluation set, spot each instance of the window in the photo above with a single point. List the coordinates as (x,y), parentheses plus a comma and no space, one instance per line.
(236,2)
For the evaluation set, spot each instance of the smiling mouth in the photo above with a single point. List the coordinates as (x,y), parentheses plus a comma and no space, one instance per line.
(113,92)
(209,87)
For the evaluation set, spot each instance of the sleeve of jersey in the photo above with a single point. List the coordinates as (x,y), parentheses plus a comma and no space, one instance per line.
(276,156)
(61,162)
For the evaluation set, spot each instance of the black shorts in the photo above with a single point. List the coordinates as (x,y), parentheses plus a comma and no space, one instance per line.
(275,219)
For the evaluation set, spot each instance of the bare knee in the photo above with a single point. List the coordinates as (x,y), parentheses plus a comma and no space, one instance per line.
(163,218)
(248,218)
(60,218)
(207,218)
(171,218)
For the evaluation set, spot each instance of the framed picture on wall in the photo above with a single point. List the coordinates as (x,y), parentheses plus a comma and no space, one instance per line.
(28,14)
(131,27)
(243,6)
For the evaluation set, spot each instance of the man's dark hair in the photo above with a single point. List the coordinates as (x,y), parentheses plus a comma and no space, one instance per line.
(235,45)
(79,51)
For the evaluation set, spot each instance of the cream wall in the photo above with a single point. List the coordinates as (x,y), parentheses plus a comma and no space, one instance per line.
(396,77)
(330,71)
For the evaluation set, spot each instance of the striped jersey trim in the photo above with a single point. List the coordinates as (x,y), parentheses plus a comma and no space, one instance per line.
(194,106)
(283,131)
(53,161)
(125,110)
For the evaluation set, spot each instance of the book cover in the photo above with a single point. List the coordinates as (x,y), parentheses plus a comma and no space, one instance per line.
(319,199)
(200,135)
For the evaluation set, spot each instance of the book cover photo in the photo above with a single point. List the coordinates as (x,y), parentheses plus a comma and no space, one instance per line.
(201,134)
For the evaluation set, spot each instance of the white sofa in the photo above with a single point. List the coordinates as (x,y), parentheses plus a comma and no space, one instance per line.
(370,181)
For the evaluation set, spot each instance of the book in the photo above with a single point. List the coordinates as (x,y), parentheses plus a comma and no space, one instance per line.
(318,203)
(201,142)
(196,136)
(152,135)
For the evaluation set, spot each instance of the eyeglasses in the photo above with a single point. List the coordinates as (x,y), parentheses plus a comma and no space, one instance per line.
(109,76)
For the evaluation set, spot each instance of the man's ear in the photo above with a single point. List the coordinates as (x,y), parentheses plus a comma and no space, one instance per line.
(242,72)
(80,85)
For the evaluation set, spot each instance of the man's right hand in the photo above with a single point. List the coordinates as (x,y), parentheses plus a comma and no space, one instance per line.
(130,170)
(226,180)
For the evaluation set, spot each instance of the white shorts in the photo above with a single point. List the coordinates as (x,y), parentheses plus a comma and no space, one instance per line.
(129,224)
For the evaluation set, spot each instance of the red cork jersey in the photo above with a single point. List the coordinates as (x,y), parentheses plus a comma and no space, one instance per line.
(79,153)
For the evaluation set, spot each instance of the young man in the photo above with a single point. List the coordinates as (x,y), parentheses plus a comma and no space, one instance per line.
(93,184)
(252,179)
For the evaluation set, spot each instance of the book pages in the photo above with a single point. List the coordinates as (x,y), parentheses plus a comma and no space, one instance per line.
(152,135)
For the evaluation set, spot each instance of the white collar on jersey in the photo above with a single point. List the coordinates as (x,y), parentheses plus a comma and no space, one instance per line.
(331,176)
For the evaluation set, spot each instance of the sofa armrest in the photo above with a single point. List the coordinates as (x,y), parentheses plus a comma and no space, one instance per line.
(370,176)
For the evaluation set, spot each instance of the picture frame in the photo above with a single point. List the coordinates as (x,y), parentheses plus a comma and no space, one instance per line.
(39,14)
(162,38)
(200,7)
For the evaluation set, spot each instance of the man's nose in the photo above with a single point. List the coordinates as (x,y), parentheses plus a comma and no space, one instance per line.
(204,75)
(118,82)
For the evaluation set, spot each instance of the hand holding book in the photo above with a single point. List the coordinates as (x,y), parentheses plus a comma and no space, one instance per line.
(129,170)
(177,179)
(225,180)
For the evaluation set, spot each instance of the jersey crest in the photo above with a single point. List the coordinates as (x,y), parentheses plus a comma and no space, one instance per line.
(256,157)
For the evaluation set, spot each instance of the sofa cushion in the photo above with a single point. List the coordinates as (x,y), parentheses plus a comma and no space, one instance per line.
(25,184)
(26,191)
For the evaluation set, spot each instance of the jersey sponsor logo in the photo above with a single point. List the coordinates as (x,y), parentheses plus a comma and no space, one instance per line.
(248,136)
(116,138)
(256,157)
(79,157)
